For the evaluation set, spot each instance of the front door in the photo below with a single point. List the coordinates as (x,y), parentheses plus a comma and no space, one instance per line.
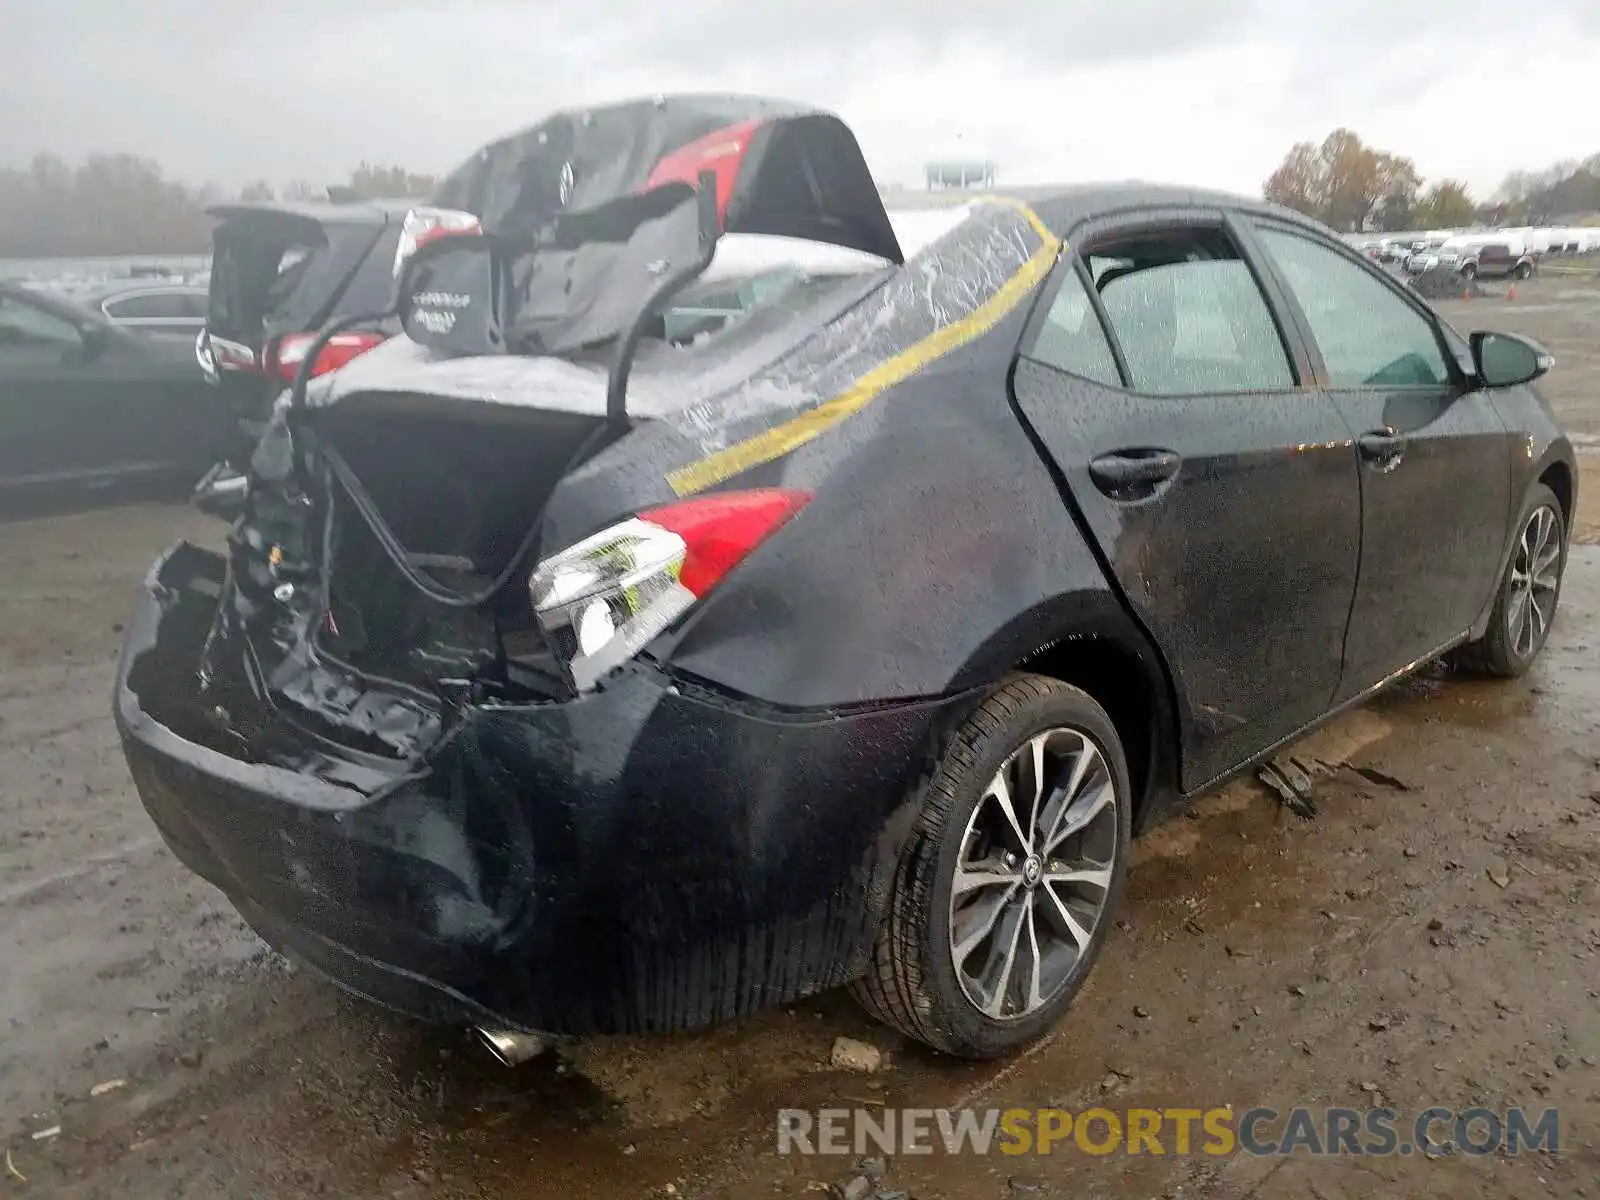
(1435,456)
(1222,492)
(84,403)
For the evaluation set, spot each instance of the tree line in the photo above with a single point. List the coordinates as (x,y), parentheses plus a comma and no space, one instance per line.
(1358,188)
(124,204)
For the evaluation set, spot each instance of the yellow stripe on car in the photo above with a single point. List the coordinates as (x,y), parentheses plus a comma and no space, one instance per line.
(781,439)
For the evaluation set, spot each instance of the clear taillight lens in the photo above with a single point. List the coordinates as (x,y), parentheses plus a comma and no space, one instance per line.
(602,600)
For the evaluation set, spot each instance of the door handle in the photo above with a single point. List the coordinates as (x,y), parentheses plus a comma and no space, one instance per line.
(1382,446)
(1133,474)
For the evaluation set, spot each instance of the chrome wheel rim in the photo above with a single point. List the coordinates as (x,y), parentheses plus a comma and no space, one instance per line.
(1535,578)
(1034,873)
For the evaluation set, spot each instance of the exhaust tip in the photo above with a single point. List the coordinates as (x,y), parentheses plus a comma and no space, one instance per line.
(510,1047)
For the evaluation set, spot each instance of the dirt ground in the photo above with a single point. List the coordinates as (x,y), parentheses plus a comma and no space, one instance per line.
(1369,956)
(1562,312)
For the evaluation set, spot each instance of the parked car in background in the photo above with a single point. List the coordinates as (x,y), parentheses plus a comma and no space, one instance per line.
(1421,255)
(530,699)
(167,309)
(1497,259)
(1432,257)
(88,404)
(1479,256)
(279,273)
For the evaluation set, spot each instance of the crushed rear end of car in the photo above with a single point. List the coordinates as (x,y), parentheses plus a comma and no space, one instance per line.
(420,721)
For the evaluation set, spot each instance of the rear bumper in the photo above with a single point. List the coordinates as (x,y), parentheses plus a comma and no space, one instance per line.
(645,858)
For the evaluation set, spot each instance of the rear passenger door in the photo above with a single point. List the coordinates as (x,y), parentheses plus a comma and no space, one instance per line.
(1435,456)
(1221,489)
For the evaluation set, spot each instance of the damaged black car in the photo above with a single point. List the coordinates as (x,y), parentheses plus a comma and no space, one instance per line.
(725,590)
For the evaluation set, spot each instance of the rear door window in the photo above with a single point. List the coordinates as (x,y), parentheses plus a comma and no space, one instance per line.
(1188,315)
(1368,334)
(1071,338)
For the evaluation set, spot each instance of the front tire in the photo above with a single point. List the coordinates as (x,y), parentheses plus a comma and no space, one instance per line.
(1529,592)
(1011,879)
(1469,271)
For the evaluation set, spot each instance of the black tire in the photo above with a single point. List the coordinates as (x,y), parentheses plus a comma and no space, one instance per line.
(1499,652)
(912,983)
(1469,271)
(1523,271)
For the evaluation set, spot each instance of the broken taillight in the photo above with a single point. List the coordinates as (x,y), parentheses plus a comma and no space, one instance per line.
(291,349)
(600,601)
(423,225)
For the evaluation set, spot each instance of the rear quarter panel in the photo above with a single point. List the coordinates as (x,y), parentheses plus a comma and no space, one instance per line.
(935,528)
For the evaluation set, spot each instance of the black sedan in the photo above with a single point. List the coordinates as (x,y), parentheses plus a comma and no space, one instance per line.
(85,404)
(853,639)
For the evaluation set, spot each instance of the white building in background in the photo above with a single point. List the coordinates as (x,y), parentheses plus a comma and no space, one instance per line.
(957,173)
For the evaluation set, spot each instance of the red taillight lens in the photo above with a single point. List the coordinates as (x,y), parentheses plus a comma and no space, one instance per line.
(341,348)
(721,530)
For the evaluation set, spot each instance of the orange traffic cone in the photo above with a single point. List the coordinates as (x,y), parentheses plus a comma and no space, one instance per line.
(1511,292)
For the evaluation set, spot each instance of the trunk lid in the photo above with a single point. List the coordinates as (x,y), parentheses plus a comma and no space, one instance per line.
(783,169)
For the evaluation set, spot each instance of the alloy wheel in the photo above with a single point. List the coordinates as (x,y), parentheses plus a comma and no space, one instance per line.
(1035,869)
(1535,578)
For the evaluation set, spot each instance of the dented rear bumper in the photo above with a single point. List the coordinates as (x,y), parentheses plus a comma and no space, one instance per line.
(650,857)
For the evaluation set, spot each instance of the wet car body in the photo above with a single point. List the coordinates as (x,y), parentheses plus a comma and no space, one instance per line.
(715,824)
(87,405)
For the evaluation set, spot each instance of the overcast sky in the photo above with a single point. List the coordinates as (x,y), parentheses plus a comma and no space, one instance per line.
(1208,92)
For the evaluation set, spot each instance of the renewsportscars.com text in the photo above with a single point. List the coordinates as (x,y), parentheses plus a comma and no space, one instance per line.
(1212,1132)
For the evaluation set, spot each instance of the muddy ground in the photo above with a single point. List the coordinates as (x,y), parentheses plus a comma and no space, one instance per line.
(1367,956)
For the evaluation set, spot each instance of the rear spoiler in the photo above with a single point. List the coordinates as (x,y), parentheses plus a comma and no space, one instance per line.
(302,214)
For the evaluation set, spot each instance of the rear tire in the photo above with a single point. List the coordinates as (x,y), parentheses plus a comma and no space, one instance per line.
(982,970)
(1469,271)
(1523,271)
(1530,590)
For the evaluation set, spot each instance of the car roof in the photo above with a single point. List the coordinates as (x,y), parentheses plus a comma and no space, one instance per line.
(1064,206)
(131,287)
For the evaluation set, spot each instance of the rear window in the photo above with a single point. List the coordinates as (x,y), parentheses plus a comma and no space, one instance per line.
(702,312)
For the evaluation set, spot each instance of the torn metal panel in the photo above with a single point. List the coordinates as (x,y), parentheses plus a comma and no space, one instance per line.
(784,169)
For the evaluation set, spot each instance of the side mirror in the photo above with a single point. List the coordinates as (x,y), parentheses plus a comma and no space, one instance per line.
(1505,360)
